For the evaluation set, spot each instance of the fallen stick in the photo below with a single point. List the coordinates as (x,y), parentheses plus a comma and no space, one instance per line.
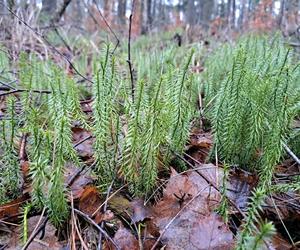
(35,233)
(88,219)
(290,152)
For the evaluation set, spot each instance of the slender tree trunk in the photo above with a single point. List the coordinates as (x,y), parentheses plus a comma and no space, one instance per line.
(149,15)
(161,13)
(208,8)
(11,4)
(121,11)
(249,6)
(106,5)
(108,10)
(191,12)
(281,13)
(154,11)
(222,9)
(142,17)
(242,14)
(228,12)
(233,14)
(49,6)
(2,9)
(60,11)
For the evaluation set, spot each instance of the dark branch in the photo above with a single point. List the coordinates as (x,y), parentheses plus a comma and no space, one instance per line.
(108,26)
(60,11)
(25,90)
(129,59)
(88,219)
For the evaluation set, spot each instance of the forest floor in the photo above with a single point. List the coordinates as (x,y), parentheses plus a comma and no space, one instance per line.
(180,213)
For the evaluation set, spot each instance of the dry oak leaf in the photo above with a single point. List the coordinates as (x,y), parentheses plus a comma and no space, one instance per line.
(85,149)
(79,183)
(11,209)
(196,226)
(90,200)
(125,239)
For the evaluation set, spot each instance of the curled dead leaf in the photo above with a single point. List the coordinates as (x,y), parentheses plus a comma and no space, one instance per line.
(90,200)
(12,209)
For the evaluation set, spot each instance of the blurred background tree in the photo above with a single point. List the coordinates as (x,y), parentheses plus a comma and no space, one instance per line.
(197,16)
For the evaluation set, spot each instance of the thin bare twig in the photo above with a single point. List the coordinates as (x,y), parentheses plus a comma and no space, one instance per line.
(74,226)
(104,210)
(83,140)
(285,228)
(90,13)
(48,43)
(8,85)
(129,58)
(57,16)
(112,195)
(63,40)
(40,225)
(88,219)
(14,91)
(290,152)
(109,27)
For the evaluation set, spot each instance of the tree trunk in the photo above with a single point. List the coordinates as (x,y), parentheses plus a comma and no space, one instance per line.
(233,14)
(142,17)
(60,11)
(153,11)
(207,11)
(121,11)
(49,6)
(161,13)
(48,10)
(149,15)
(228,8)
(2,8)
(191,12)
(222,9)
(242,14)
(281,13)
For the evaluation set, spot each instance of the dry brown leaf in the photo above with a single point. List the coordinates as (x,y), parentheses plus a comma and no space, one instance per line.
(278,242)
(78,185)
(240,186)
(85,149)
(121,206)
(125,239)
(200,144)
(90,200)
(140,212)
(49,241)
(201,140)
(11,209)
(107,216)
(196,226)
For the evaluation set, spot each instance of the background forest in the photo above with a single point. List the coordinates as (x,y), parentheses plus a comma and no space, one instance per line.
(149,124)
